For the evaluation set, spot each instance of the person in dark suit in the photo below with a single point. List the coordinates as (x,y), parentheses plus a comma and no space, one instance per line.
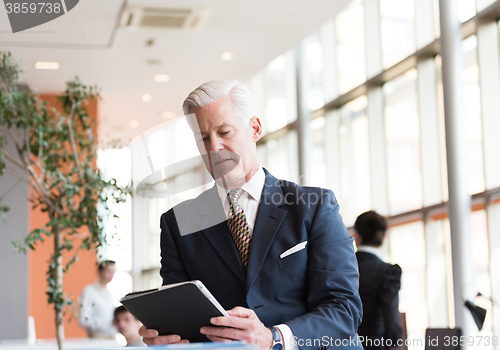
(379,284)
(275,254)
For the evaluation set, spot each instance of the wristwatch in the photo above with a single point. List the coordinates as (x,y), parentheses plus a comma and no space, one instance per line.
(277,342)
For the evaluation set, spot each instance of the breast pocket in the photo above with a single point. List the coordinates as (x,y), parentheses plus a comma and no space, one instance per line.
(292,259)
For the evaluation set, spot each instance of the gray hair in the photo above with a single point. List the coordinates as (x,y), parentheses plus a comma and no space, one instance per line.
(213,90)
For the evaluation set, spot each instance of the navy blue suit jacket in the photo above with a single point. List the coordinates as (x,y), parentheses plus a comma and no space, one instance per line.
(314,291)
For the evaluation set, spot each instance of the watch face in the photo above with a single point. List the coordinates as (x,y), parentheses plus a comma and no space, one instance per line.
(277,346)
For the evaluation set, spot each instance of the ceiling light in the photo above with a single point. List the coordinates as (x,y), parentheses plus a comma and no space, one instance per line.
(147,98)
(47,65)
(161,78)
(153,61)
(168,115)
(227,56)
(134,124)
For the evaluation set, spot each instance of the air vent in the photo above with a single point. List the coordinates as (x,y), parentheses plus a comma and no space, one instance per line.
(163,18)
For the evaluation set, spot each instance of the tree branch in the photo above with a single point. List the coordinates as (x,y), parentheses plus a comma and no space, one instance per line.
(72,138)
(18,145)
(40,147)
(10,158)
(46,177)
(42,191)
(14,138)
(28,147)
(18,175)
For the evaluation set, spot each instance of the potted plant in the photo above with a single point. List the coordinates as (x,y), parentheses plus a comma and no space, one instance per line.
(56,155)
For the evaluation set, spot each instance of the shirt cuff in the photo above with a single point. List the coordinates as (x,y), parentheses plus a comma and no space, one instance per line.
(286,332)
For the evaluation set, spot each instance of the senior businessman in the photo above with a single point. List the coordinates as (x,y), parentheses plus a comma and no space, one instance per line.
(276,255)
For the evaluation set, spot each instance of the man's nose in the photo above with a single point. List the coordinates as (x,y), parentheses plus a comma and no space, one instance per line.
(215,145)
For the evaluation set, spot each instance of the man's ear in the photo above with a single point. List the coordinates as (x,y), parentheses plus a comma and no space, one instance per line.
(256,128)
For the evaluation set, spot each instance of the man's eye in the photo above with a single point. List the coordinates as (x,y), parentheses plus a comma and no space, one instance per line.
(225,133)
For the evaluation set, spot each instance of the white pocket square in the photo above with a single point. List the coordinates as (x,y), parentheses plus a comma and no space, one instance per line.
(294,249)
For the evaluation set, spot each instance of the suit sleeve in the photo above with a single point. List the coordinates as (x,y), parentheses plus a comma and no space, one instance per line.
(333,300)
(390,303)
(172,268)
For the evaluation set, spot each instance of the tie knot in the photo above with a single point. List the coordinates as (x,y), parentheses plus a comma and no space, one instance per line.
(234,195)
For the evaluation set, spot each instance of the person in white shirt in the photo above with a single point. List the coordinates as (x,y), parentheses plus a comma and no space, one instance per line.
(97,305)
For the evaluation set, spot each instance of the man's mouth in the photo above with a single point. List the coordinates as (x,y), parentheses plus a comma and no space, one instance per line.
(222,161)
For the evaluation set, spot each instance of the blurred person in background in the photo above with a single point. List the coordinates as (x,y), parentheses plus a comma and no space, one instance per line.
(128,326)
(379,284)
(97,304)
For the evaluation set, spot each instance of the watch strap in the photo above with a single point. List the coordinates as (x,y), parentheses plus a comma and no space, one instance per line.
(277,341)
(276,335)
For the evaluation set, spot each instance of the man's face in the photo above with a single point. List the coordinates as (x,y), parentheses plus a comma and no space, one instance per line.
(226,144)
(127,324)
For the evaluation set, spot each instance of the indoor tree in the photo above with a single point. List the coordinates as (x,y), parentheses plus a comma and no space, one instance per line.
(55,153)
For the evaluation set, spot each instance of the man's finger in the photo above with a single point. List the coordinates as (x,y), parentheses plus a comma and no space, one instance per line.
(233,322)
(148,333)
(161,340)
(214,339)
(227,333)
(241,312)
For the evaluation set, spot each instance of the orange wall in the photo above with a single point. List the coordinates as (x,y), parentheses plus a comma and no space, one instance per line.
(83,272)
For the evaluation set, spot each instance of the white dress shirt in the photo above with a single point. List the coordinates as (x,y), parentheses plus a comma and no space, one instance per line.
(96,313)
(249,201)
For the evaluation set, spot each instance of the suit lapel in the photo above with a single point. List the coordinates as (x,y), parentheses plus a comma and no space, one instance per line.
(267,223)
(213,224)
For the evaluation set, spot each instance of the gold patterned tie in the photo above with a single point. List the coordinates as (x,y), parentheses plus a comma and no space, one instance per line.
(238,226)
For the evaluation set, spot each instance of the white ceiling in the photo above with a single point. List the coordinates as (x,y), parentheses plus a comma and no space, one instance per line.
(88,42)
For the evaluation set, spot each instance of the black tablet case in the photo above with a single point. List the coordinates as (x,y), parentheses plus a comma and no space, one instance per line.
(180,310)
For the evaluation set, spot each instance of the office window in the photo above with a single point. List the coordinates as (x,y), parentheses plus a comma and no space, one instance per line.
(151,279)
(480,260)
(472,114)
(314,54)
(466,9)
(442,130)
(407,249)
(279,87)
(318,157)
(403,143)
(493,215)
(355,160)
(256,85)
(276,106)
(350,33)
(116,164)
(282,157)
(397,30)
(438,271)
(482,4)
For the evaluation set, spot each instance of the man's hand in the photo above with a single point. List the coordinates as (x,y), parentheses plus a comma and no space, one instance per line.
(241,324)
(151,337)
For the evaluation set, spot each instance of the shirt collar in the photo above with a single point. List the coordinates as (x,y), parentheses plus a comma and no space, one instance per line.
(253,187)
(371,250)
